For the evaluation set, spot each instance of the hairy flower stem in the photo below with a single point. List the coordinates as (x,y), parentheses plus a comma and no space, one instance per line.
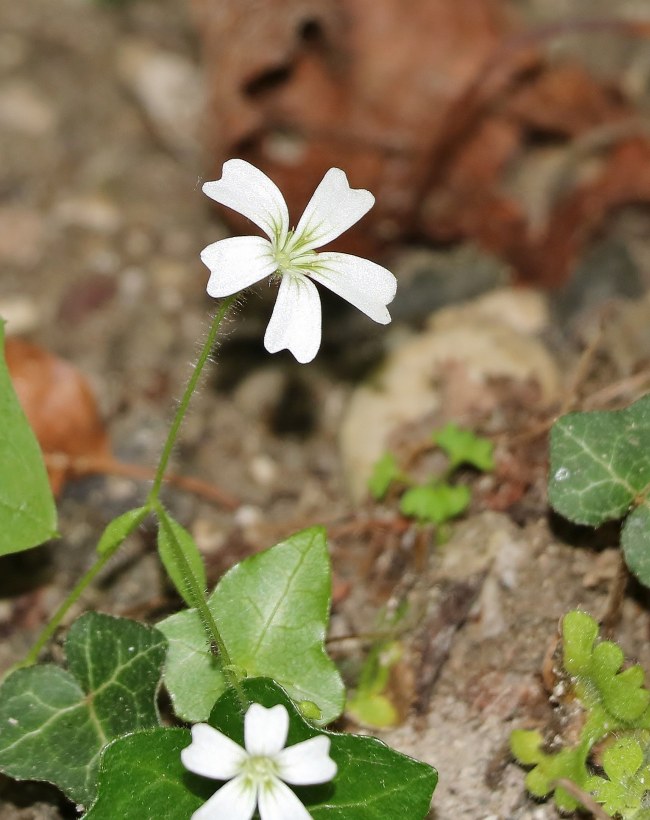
(196,595)
(153,505)
(187,395)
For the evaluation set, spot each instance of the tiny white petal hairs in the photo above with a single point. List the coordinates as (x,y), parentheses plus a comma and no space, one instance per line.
(257,774)
(240,262)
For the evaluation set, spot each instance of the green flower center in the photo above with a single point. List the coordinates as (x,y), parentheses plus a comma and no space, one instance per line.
(291,257)
(259,770)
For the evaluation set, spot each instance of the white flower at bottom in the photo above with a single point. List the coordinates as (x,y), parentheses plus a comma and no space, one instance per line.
(257,775)
(241,261)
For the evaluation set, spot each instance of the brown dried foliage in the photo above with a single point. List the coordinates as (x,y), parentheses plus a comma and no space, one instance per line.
(429,110)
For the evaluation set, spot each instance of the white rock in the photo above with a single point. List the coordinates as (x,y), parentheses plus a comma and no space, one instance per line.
(490,336)
(169,88)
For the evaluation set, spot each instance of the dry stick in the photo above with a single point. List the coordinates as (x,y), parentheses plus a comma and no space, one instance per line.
(583,797)
(616,595)
(102,465)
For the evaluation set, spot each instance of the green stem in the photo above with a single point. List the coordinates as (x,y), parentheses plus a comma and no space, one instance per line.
(152,503)
(198,600)
(187,395)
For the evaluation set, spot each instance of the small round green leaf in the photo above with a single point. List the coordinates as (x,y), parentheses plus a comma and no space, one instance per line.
(635,540)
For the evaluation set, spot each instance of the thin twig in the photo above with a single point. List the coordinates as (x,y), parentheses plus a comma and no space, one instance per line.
(107,465)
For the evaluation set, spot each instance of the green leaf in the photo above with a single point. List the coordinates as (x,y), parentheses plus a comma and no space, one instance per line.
(628,773)
(272,610)
(27,511)
(370,705)
(55,722)
(180,556)
(383,474)
(435,503)
(614,699)
(567,764)
(635,541)
(599,463)
(465,447)
(141,778)
(119,528)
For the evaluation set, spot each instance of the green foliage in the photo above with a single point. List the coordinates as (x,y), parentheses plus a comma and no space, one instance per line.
(616,702)
(600,469)
(180,556)
(27,511)
(384,473)
(272,610)
(626,790)
(120,528)
(614,699)
(370,706)
(465,447)
(568,764)
(436,501)
(55,722)
(141,777)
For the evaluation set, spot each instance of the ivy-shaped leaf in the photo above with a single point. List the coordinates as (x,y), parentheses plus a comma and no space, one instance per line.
(55,722)
(27,511)
(435,503)
(635,541)
(141,777)
(628,779)
(600,464)
(272,610)
(548,769)
(465,447)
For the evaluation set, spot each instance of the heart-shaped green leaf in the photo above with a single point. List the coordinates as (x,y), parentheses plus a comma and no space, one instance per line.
(27,511)
(55,722)
(272,610)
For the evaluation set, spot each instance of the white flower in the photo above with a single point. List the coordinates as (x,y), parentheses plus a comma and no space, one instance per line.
(241,261)
(256,773)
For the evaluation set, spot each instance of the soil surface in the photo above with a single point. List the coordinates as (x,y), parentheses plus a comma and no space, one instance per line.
(101,222)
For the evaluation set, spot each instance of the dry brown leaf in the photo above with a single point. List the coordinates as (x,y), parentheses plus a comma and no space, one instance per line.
(59,405)
(426,109)
(299,86)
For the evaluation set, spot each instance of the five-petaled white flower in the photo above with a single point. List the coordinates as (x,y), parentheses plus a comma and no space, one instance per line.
(241,261)
(256,773)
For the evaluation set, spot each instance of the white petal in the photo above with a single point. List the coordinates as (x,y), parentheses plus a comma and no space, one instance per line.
(333,208)
(237,263)
(307,762)
(247,190)
(234,801)
(278,802)
(364,284)
(296,320)
(212,754)
(265,730)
